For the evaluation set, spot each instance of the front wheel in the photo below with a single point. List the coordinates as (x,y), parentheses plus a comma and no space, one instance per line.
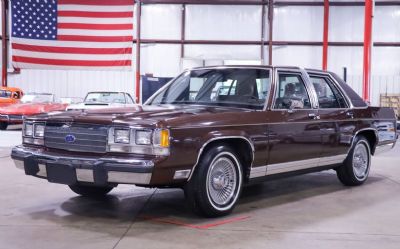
(355,169)
(90,191)
(216,183)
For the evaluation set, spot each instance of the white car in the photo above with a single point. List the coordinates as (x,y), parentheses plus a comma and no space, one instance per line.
(98,100)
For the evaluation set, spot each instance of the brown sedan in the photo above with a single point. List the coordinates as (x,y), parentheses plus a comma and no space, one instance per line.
(211,131)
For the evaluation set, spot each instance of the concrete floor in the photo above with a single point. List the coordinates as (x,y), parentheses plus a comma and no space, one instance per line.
(309,211)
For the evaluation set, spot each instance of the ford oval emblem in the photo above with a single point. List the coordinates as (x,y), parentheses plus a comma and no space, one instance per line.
(69,138)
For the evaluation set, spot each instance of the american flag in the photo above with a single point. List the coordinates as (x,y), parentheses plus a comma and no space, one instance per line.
(72,34)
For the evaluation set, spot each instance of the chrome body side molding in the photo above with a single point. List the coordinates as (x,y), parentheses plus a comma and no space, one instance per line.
(277,168)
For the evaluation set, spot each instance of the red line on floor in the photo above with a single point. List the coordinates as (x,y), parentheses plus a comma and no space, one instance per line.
(204,226)
(223,222)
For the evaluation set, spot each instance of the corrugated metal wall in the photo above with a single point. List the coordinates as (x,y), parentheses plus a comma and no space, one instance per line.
(225,22)
(71,83)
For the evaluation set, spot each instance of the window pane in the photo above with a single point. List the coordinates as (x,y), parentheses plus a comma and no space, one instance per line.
(328,95)
(291,93)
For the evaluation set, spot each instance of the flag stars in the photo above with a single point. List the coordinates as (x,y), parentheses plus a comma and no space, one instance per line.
(34,19)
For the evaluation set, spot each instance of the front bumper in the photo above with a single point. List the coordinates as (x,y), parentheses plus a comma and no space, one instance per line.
(72,170)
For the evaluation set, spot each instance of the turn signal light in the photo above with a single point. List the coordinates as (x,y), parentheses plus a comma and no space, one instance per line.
(164,138)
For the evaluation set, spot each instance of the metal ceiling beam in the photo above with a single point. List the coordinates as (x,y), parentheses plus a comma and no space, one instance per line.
(279,3)
(274,43)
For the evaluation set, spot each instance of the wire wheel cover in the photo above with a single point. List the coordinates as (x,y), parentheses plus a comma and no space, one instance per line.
(222,181)
(360,161)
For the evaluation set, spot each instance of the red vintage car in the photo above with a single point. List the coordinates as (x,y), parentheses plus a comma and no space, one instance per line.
(10,95)
(30,104)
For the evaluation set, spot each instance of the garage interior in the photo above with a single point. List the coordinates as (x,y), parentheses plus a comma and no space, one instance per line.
(358,40)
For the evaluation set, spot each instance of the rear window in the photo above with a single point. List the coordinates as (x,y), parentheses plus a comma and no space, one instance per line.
(353,96)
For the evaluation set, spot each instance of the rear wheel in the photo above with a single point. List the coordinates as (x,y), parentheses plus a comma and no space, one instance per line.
(216,184)
(90,191)
(355,169)
(3,126)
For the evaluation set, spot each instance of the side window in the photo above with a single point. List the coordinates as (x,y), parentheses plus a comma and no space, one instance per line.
(291,92)
(328,95)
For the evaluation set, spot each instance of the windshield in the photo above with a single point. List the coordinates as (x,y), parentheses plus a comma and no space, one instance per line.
(5,94)
(228,87)
(37,98)
(105,98)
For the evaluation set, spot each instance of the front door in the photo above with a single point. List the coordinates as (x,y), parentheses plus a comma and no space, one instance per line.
(293,125)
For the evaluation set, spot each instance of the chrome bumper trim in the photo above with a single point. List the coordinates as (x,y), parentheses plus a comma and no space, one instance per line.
(51,156)
(19,164)
(108,170)
(130,178)
(42,170)
(84,175)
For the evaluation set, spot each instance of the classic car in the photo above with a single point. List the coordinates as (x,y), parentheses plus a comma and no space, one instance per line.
(98,100)
(10,95)
(278,121)
(30,104)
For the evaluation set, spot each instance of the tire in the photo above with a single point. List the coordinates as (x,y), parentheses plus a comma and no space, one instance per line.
(355,169)
(3,126)
(216,183)
(90,191)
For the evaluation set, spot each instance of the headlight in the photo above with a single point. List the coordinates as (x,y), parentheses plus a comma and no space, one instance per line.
(38,130)
(143,137)
(141,141)
(122,136)
(28,130)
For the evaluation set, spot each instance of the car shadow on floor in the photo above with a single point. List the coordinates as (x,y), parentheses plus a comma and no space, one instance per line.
(121,208)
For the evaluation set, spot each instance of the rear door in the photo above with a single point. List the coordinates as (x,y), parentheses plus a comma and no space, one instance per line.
(293,124)
(337,115)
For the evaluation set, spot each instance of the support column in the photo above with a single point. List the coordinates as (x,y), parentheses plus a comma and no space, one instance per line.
(183,27)
(138,21)
(270,29)
(325,36)
(262,54)
(367,49)
(4,43)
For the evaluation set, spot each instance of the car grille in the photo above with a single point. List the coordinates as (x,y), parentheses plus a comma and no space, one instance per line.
(76,137)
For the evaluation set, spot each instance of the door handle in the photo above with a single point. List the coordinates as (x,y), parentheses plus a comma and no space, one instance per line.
(350,114)
(313,116)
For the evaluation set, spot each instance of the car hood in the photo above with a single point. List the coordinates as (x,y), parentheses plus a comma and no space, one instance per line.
(25,108)
(159,116)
